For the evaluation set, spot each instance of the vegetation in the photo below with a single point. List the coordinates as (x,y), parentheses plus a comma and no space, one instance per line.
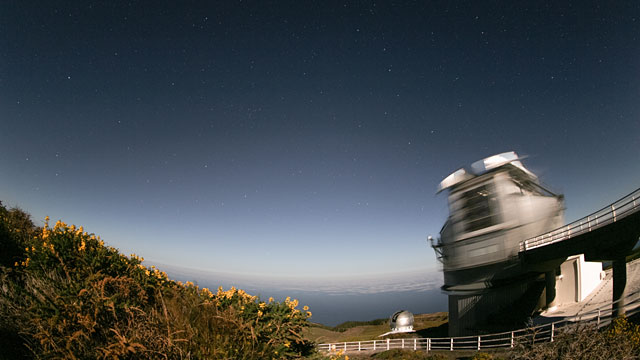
(621,340)
(351,324)
(408,355)
(65,294)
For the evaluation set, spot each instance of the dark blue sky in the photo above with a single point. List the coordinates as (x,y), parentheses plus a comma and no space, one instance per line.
(305,138)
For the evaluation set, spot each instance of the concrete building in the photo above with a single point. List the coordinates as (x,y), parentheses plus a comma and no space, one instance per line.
(495,204)
(576,279)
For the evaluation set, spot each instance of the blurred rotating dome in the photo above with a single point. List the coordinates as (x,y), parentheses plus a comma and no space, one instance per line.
(401,321)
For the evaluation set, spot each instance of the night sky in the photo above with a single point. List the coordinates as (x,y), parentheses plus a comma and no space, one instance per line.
(300,138)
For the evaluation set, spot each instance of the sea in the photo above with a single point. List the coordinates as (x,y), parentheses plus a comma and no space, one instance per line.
(334,301)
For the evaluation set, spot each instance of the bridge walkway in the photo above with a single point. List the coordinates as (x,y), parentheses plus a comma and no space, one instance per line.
(608,234)
(602,235)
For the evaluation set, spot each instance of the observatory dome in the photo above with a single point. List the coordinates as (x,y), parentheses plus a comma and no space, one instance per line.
(401,321)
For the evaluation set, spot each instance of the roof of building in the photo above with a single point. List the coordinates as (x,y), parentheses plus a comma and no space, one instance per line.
(483,166)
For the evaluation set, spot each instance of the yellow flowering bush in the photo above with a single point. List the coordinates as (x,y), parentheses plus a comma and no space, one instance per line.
(619,340)
(624,331)
(65,294)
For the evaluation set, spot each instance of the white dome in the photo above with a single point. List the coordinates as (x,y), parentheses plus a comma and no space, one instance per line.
(401,321)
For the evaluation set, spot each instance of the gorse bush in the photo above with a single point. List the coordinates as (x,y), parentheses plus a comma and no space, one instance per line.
(64,294)
(620,340)
(409,355)
(482,356)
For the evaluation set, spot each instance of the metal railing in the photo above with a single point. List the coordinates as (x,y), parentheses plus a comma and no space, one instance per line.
(600,317)
(607,215)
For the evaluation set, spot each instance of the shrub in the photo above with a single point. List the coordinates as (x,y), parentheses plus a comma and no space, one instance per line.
(16,228)
(409,355)
(436,357)
(482,356)
(67,295)
(621,340)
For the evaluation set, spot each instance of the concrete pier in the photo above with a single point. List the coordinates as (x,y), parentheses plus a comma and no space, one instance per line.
(619,286)
(550,289)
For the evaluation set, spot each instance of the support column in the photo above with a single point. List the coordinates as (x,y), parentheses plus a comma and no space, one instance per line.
(550,290)
(454,321)
(619,286)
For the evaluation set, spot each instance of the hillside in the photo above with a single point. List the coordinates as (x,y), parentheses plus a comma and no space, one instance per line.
(66,294)
(426,325)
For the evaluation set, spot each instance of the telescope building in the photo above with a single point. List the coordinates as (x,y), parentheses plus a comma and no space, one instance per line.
(494,204)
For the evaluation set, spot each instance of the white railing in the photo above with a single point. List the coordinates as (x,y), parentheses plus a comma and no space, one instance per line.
(535,334)
(610,214)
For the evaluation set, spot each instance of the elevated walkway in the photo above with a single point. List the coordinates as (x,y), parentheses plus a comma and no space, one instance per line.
(604,235)
(608,234)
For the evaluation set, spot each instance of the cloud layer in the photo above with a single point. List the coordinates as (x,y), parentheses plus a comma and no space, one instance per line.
(418,280)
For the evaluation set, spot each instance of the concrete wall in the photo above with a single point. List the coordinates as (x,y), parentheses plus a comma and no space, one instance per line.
(577,279)
(590,277)
(567,283)
(493,309)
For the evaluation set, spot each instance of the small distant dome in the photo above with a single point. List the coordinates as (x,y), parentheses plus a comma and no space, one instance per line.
(401,321)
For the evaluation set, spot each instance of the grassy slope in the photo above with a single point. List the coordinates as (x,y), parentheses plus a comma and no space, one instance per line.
(424,324)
